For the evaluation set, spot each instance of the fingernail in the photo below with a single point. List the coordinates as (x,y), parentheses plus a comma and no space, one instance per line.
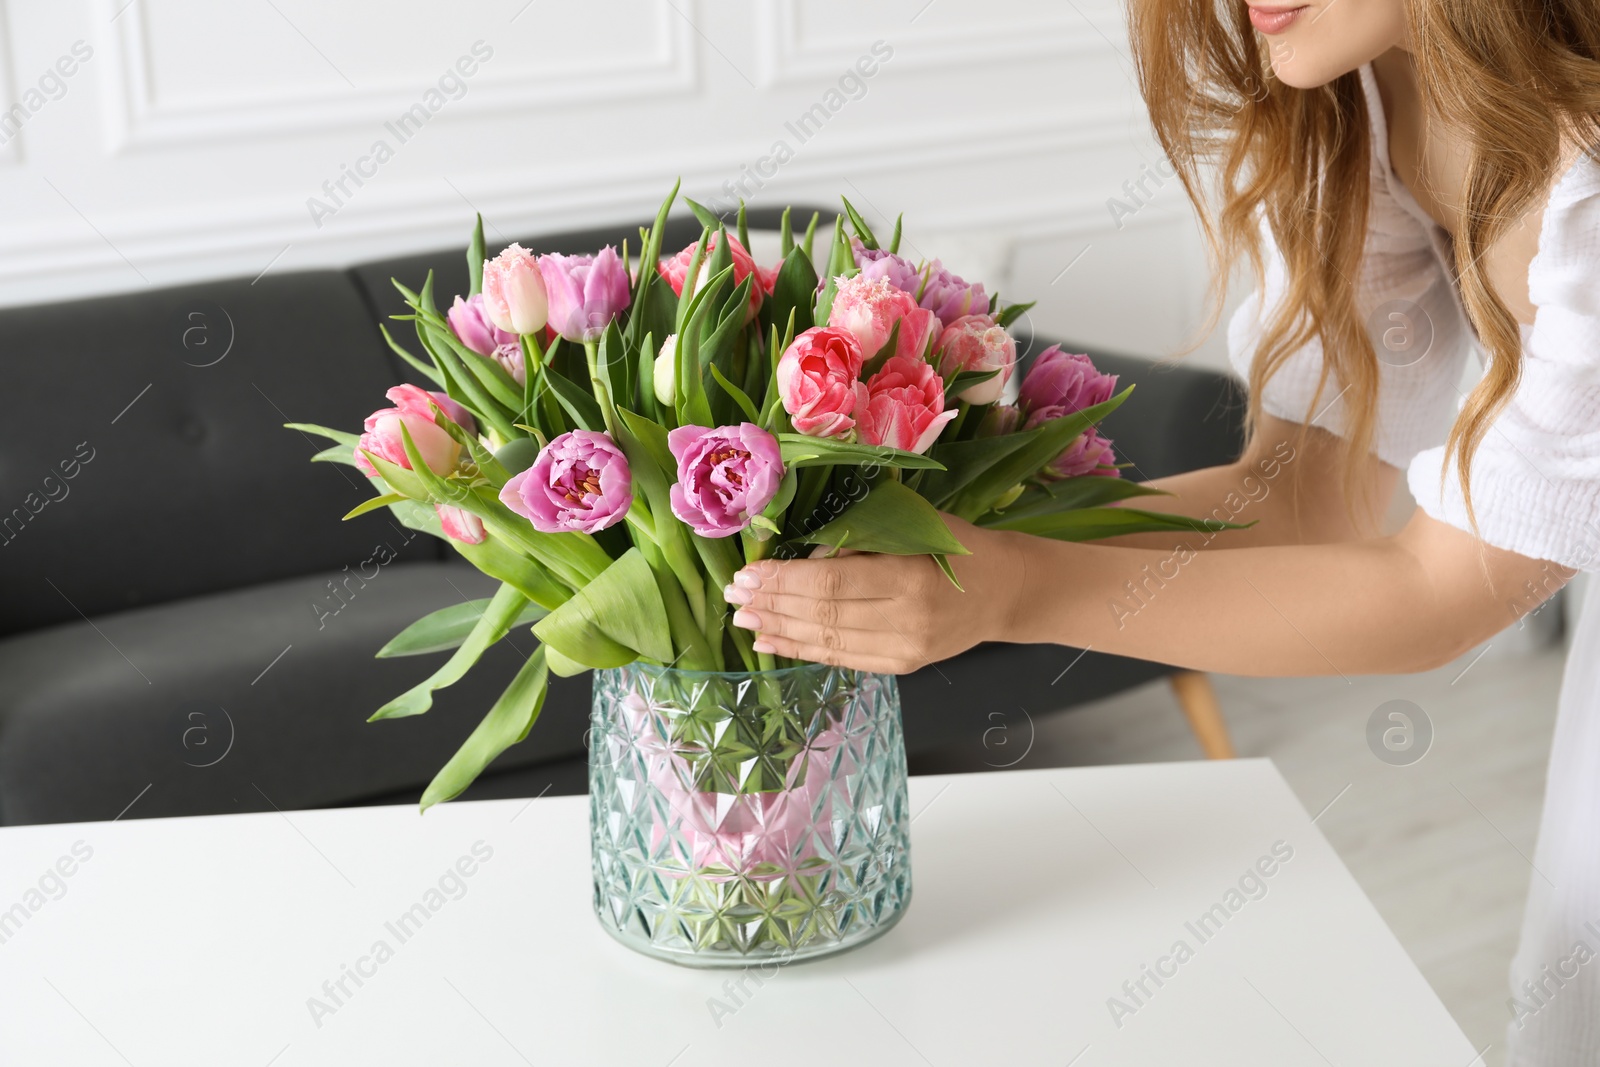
(735,595)
(761,644)
(746,618)
(747,579)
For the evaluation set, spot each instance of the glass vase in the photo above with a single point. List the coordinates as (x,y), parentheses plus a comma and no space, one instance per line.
(740,817)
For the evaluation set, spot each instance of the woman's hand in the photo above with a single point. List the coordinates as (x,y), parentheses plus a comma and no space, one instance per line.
(889,614)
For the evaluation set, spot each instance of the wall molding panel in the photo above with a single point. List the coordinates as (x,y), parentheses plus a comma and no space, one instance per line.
(137,118)
(993,129)
(1057,32)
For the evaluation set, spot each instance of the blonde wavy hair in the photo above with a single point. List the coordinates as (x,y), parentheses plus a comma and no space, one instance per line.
(1514,79)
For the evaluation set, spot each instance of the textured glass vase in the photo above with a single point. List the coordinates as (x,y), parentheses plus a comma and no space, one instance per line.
(739,817)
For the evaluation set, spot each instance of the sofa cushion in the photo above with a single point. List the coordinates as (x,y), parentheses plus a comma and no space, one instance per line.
(244,700)
(148,461)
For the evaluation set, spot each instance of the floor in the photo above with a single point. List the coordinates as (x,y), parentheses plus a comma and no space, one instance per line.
(1440,844)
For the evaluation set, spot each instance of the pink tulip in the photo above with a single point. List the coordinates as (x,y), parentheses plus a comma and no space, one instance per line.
(818,380)
(976,343)
(414,398)
(579,481)
(514,291)
(675,269)
(413,408)
(460,524)
(726,475)
(470,322)
(870,307)
(904,407)
(1061,383)
(935,288)
(1089,453)
(586,292)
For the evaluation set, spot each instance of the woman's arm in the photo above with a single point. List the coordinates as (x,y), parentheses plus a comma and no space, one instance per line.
(1404,603)
(1291,485)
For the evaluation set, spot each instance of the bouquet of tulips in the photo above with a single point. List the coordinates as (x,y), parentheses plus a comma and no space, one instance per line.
(612,443)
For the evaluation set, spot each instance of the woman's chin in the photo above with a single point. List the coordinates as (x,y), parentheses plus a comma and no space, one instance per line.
(1306,72)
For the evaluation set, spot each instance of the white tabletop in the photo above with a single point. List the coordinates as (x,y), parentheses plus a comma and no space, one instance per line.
(1038,894)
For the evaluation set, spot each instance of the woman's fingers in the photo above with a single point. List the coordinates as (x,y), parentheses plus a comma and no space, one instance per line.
(767,624)
(763,607)
(859,577)
(853,657)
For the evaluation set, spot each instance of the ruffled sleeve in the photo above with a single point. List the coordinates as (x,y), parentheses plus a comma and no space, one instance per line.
(1407,300)
(1536,474)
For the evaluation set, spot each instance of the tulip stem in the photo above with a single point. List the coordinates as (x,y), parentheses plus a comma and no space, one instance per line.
(600,387)
(954,432)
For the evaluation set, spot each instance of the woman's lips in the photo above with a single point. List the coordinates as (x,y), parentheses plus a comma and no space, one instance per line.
(1271,20)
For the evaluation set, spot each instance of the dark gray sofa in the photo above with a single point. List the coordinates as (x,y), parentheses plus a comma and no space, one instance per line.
(187,626)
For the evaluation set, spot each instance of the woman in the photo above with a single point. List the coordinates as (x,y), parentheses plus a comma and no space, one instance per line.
(1407,165)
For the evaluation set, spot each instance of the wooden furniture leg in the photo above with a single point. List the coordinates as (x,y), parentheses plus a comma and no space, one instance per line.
(1199,703)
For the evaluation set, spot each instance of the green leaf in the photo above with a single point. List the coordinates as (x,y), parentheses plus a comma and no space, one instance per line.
(495,622)
(613,620)
(786,233)
(809,241)
(841,263)
(475,258)
(966,461)
(1068,494)
(737,394)
(425,369)
(343,437)
(517,455)
(491,375)
(1012,312)
(561,666)
(447,628)
(707,218)
(876,360)
(966,379)
(802,451)
(1090,524)
(894,243)
(863,231)
(336,454)
(891,519)
(1026,457)
(794,291)
(691,281)
(374,504)
(578,402)
(532,579)
(643,316)
(507,723)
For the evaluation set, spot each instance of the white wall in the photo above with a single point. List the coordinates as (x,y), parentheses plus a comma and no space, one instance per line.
(190,142)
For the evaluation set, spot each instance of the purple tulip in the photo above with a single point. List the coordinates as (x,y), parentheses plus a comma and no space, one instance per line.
(469,321)
(950,297)
(726,475)
(875,263)
(586,292)
(947,295)
(1089,453)
(579,482)
(1060,383)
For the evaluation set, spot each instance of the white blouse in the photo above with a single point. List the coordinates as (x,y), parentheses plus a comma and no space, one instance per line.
(1536,474)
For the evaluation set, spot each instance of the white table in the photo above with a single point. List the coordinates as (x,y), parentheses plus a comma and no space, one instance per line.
(1038,895)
